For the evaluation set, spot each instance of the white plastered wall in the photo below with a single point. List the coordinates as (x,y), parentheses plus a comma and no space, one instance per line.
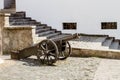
(87,13)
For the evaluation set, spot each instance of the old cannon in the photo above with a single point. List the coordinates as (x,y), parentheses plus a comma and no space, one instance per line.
(48,51)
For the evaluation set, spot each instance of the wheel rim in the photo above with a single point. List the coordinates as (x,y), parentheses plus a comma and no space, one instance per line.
(63,54)
(47,52)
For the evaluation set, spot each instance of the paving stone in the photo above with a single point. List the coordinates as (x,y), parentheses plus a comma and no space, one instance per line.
(70,69)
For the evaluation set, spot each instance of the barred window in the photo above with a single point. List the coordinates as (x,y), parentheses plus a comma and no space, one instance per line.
(109,25)
(69,26)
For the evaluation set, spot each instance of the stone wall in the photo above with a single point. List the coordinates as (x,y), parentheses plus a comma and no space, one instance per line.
(95,53)
(14,37)
(17,38)
(1,29)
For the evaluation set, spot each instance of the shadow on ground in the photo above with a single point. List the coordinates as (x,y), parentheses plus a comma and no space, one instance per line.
(33,62)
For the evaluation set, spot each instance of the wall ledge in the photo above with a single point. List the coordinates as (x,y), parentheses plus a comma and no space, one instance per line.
(20,27)
(4,14)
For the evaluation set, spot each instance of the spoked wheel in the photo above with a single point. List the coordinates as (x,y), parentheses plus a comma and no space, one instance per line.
(47,52)
(65,51)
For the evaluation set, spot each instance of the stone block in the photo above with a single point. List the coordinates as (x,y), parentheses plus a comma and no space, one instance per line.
(17,39)
(95,53)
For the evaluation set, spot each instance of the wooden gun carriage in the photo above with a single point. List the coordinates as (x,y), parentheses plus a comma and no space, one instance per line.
(48,51)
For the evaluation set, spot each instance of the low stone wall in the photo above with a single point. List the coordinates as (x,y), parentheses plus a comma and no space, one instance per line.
(95,53)
(14,38)
(17,38)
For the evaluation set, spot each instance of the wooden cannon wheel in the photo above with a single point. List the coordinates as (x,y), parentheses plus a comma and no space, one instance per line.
(47,52)
(65,51)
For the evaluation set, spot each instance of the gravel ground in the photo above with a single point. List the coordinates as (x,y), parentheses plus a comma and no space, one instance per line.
(29,69)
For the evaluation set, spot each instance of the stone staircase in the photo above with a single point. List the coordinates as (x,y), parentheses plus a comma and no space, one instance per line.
(86,45)
(96,45)
(42,30)
(107,42)
(96,42)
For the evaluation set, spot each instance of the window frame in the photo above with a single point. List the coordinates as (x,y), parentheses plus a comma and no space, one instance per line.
(108,25)
(69,25)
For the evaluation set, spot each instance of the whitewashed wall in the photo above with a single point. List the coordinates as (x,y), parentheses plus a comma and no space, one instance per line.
(87,13)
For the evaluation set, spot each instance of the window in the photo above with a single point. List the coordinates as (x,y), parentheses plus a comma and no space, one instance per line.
(109,25)
(69,26)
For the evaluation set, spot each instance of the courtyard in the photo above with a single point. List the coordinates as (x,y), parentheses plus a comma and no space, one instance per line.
(73,68)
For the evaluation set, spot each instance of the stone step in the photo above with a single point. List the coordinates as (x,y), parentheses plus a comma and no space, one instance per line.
(29,18)
(18,14)
(19,24)
(33,20)
(42,30)
(92,35)
(87,42)
(53,35)
(108,42)
(40,27)
(15,18)
(23,23)
(26,19)
(38,23)
(114,45)
(46,33)
(60,37)
(92,39)
(48,36)
(19,20)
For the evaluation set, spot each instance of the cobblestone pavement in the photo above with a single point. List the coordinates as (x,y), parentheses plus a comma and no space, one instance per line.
(29,69)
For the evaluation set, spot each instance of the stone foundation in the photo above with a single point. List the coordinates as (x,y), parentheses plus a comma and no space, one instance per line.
(95,53)
(16,38)
(13,38)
